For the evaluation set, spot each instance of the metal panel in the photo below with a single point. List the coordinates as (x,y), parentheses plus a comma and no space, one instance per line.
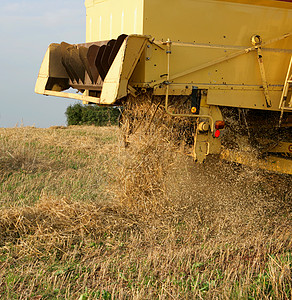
(108,19)
(217,30)
(270,163)
(51,67)
(243,98)
(116,82)
(270,3)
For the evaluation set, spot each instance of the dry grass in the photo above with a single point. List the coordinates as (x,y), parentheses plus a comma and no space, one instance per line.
(98,222)
(69,162)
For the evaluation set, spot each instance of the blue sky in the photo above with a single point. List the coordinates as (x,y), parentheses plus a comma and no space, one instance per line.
(27,27)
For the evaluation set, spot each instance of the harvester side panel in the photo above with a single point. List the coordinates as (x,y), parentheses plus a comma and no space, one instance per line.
(107,19)
(223,28)
(216,21)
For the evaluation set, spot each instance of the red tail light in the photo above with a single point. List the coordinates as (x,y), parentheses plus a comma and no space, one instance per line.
(218,125)
(217,133)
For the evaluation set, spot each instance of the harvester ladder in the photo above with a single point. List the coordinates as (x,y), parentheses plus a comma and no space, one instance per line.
(287,85)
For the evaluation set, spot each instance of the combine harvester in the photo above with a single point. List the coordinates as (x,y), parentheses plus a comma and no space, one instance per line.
(230,58)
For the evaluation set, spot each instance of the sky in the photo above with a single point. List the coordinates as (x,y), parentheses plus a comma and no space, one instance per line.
(27,27)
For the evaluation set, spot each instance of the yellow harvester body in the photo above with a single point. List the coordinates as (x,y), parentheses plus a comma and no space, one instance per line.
(237,53)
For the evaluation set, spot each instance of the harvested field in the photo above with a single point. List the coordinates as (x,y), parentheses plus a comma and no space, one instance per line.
(84,218)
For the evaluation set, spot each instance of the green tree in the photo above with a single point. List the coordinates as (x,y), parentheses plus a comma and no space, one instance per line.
(78,114)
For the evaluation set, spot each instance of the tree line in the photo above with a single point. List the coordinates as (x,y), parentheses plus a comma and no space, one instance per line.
(79,114)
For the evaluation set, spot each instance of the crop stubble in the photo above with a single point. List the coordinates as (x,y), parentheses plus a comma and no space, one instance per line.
(83,217)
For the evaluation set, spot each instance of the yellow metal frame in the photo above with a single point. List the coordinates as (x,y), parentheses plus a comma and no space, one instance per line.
(115,85)
(270,163)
